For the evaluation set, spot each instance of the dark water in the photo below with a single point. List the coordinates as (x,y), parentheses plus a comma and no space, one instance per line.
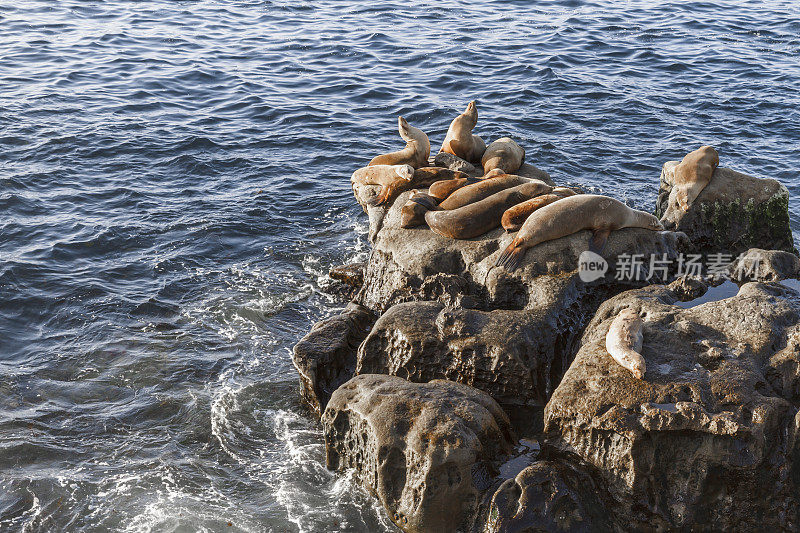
(174,186)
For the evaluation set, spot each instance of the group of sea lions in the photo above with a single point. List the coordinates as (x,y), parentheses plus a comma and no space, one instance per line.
(460,206)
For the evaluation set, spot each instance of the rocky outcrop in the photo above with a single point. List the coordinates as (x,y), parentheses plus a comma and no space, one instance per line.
(708,437)
(417,264)
(733,212)
(427,451)
(765,265)
(548,496)
(515,356)
(326,357)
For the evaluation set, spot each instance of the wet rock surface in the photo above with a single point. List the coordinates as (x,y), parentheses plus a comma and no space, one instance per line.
(708,436)
(732,213)
(326,357)
(427,451)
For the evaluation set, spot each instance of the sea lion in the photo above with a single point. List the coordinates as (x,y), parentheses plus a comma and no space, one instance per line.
(412,214)
(624,342)
(422,177)
(382,174)
(504,154)
(484,215)
(693,173)
(600,214)
(514,217)
(444,188)
(480,190)
(416,152)
(459,139)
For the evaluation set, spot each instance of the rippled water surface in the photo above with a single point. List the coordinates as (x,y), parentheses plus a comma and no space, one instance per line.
(174,186)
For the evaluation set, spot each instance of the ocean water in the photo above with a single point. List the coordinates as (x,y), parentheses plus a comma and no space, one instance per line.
(174,185)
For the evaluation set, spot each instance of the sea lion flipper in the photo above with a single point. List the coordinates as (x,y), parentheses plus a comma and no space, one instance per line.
(511,257)
(598,240)
(426,201)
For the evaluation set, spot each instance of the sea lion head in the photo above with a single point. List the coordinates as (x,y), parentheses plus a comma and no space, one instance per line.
(403,128)
(405,172)
(651,222)
(471,112)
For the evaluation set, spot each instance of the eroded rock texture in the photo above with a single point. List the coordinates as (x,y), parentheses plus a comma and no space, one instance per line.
(733,212)
(426,450)
(548,496)
(765,265)
(709,437)
(326,357)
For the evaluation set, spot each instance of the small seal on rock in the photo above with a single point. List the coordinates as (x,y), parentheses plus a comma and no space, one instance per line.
(503,154)
(416,152)
(693,173)
(600,214)
(483,215)
(460,141)
(516,216)
(624,342)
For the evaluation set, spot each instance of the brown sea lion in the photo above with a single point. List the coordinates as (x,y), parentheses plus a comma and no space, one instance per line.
(480,190)
(484,215)
(442,189)
(423,177)
(503,154)
(624,342)
(514,217)
(460,141)
(382,175)
(600,214)
(693,173)
(416,152)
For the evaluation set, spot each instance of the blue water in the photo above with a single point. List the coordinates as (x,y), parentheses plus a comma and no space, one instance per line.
(174,183)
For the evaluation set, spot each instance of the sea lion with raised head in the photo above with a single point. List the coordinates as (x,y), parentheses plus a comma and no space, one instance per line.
(624,342)
(514,217)
(422,177)
(600,214)
(503,154)
(416,152)
(484,215)
(460,140)
(693,173)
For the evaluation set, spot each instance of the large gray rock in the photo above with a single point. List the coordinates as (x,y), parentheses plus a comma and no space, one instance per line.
(548,496)
(517,357)
(427,451)
(732,213)
(765,265)
(708,438)
(326,357)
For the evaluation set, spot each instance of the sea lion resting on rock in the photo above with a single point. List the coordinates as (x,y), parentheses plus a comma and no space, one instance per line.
(624,342)
(514,217)
(460,141)
(413,213)
(382,175)
(422,177)
(416,152)
(503,154)
(600,214)
(693,173)
(477,218)
(444,188)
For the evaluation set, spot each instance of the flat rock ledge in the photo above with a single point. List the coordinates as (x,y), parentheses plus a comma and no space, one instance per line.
(427,451)
(709,437)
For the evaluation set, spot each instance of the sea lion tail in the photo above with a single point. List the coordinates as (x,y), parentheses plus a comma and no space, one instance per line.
(511,257)
(425,200)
